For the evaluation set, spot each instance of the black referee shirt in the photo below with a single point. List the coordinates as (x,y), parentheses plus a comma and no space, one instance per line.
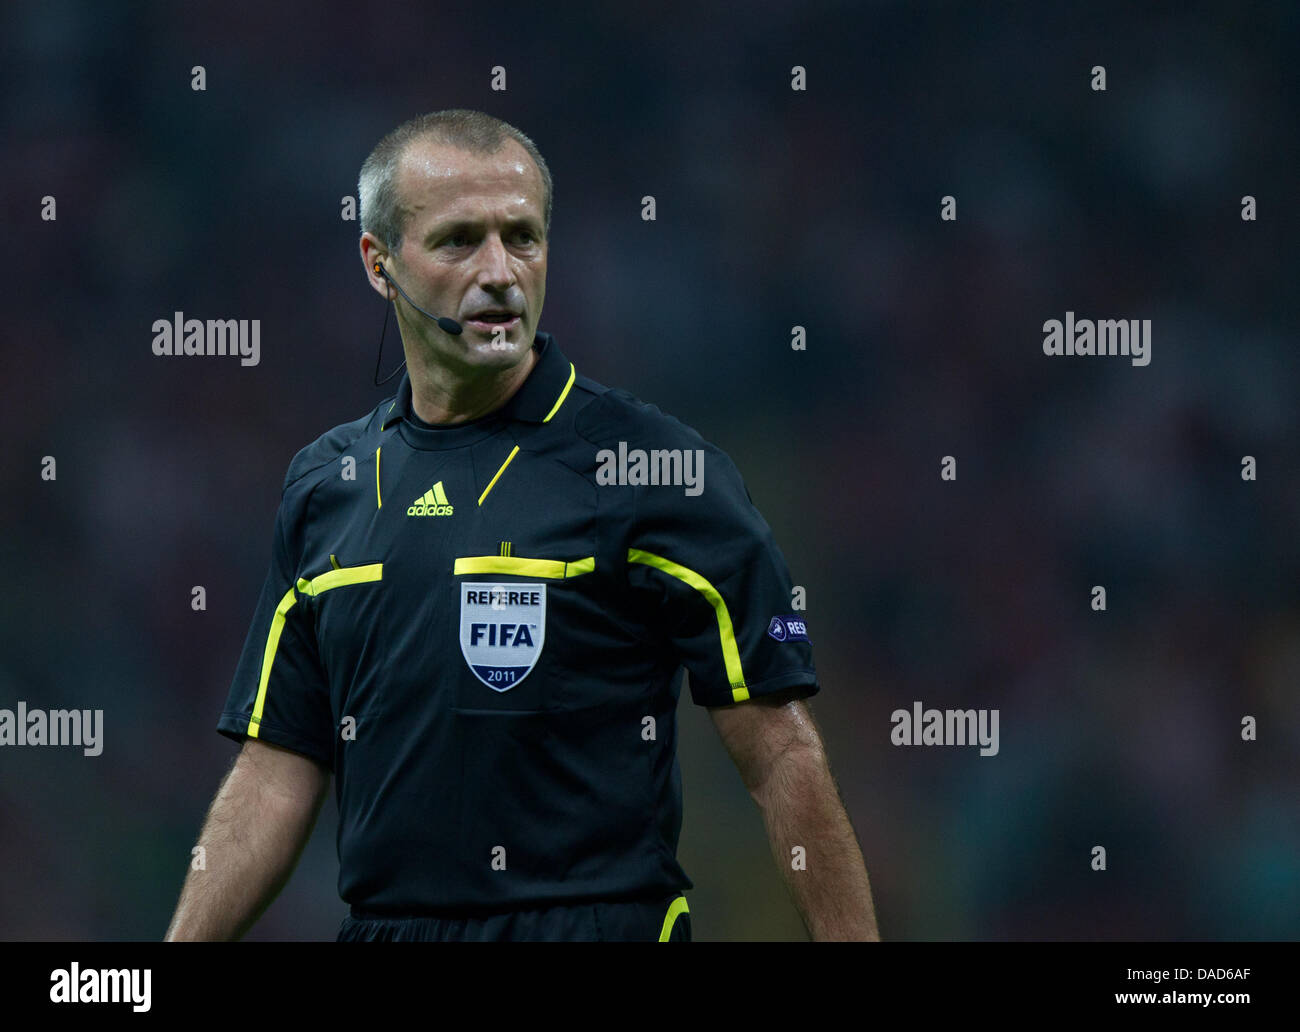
(482,636)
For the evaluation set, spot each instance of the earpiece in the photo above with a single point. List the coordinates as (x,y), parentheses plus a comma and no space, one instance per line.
(445,324)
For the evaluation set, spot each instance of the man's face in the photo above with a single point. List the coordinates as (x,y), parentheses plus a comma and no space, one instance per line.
(474,241)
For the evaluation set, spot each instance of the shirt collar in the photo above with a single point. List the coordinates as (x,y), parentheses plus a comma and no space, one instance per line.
(539,397)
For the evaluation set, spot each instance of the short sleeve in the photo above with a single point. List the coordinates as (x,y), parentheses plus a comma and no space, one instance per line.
(711,579)
(280,693)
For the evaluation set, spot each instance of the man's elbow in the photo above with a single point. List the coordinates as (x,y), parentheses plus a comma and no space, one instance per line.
(799,767)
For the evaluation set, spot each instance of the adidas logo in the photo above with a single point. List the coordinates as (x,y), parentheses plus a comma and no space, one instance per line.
(432,503)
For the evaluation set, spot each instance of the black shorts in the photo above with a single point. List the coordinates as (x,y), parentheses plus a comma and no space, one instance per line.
(665,919)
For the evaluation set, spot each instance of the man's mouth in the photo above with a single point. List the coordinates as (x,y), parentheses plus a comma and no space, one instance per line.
(493,318)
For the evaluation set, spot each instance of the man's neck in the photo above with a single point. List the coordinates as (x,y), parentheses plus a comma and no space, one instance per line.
(441,396)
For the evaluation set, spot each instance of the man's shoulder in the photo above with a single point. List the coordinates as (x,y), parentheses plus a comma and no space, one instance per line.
(326,449)
(617,434)
(612,414)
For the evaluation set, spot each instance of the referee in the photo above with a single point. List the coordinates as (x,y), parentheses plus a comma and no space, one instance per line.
(481,598)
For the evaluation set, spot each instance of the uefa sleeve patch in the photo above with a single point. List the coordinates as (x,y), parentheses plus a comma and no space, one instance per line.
(788,628)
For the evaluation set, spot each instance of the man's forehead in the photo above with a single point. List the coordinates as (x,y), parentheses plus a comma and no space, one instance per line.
(433,175)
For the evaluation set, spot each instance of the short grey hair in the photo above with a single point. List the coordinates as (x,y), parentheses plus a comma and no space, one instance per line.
(382,212)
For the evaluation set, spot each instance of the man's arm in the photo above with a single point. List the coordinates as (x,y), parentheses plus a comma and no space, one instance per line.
(776,746)
(256,828)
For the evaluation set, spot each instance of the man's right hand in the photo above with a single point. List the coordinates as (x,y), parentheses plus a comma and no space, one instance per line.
(256,828)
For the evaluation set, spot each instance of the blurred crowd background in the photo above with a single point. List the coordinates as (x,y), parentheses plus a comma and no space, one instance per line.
(776,208)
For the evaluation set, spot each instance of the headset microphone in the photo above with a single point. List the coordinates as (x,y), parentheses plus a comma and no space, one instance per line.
(445,324)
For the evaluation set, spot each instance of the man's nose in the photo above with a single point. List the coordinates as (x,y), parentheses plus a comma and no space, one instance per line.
(495,270)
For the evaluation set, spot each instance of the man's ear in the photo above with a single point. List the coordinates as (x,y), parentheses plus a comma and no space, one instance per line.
(378,266)
(377,259)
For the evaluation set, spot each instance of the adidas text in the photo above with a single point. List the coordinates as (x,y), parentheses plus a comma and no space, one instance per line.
(434,502)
